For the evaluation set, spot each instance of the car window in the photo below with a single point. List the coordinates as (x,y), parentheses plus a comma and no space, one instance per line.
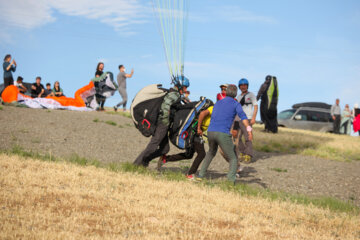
(287,114)
(303,114)
(314,116)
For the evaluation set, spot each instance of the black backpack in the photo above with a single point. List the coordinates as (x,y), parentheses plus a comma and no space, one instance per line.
(145,108)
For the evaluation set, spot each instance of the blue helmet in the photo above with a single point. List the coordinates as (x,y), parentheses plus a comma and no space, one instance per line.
(181,81)
(243,81)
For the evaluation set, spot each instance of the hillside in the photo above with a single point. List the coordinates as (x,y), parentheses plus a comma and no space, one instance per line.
(284,162)
(45,200)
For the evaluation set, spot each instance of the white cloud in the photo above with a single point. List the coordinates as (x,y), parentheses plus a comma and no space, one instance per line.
(25,14)
(31,14)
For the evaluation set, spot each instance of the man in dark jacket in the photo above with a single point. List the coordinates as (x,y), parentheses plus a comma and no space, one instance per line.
(269,94)
(159,143)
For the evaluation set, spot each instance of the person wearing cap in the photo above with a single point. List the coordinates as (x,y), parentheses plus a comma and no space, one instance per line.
(222,118)
(222,95)
(250,106)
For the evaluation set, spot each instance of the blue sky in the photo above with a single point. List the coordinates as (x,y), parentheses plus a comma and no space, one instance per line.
(311,46)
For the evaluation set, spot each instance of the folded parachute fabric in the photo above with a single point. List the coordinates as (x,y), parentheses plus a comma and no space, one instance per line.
(105,85)
(84,99)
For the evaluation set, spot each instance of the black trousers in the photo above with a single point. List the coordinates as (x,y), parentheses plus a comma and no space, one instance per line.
(197,147)
(158,146)
(8,81)
(269,116)
(337,124)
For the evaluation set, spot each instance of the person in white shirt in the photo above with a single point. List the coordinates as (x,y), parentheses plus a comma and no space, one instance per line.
(250,106)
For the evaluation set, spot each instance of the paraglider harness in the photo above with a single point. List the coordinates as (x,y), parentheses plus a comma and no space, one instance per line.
(183,128)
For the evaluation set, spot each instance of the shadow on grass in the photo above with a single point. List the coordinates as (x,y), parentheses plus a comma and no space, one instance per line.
(239,188)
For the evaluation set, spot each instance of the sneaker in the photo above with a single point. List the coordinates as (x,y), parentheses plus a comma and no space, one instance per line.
(247,159)
(190,177)
(198,178)
(115,108)
(161,161)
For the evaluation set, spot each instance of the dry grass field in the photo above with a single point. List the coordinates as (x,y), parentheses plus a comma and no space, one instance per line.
(46,200)
(323,145)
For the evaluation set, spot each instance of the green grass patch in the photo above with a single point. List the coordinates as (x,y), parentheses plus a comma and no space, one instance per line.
(96,120)
(322,145)
(239,188)
(112,123)
(1,108)
(124,114)
(35,140)
(278,169)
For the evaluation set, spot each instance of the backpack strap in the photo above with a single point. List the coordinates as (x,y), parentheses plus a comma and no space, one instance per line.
(242,101)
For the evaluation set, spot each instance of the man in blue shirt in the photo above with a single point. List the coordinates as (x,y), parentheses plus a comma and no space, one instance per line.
(222,118)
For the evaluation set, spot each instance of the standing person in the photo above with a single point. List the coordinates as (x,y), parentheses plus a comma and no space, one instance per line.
(159,143)
(356,118)
(37,89)
(8,68)
(100,99)
(222,94)
(249,105)
(269,94)
(345,126)
(47,91)
(336,116)
(222,118)
(20,86)
(57,90)
(121,79)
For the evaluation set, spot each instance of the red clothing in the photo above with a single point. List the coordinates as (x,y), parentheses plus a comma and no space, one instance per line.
(220,96)
(356,123)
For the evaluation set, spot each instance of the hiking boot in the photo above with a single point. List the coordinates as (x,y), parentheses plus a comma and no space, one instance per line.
(247,159)
(161,161)
(115,108)
(190,177)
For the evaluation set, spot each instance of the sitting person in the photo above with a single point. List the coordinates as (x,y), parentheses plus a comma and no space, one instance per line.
(20,86)
(57,90)
(37,89)
(47,91)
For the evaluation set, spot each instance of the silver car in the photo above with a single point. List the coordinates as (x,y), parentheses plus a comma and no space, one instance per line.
(307,118)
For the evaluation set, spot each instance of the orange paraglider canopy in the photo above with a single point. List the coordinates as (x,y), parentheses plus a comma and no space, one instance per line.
(12,94)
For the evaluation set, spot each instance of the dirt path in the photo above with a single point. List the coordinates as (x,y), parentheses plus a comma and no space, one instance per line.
(113,138)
